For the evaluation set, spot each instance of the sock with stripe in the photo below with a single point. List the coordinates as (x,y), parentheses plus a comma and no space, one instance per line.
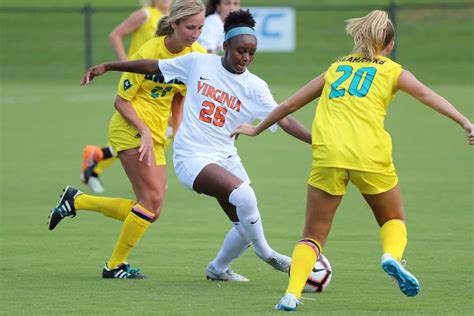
(393,236)
(304,257)
(111,207)
(233,247)
(133,228)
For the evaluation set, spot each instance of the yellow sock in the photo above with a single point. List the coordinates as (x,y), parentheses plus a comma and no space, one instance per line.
(393,236)
(112,207)
(104,164)
(133,228)
(303,259)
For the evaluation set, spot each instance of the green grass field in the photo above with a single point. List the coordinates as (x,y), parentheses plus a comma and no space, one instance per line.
(46,119)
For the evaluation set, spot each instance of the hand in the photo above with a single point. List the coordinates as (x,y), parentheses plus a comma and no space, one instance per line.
(92,72)
(245,129)
(469,128)
(147,148)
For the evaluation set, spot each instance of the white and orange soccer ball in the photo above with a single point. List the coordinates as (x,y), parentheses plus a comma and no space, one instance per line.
(320,277)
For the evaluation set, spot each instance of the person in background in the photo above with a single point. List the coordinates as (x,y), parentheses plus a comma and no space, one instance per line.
(350,143)
(141,24)
(212,36)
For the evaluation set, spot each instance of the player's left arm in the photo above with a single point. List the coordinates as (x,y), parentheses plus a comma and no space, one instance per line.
(141,66)
(294,128)
(408,83)
(177,106)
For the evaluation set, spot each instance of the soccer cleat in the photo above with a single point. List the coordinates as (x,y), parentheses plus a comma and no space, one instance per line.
(65,207)
(288,303)
(408,284)
(91,156)
(123,271)
(229,275)
(279,262)
(93,183)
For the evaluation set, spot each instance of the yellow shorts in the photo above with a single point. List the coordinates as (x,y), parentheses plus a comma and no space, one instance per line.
(334,180)
(122,136)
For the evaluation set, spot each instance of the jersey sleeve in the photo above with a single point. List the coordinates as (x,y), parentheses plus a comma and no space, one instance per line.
(129,83)
(177,68)
(266,104)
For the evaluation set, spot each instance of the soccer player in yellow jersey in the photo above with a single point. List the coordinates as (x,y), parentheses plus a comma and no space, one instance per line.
(137,134)
(350,144)
(141,24)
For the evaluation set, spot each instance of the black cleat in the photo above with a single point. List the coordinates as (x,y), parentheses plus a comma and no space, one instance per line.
(64,208)
(123,271)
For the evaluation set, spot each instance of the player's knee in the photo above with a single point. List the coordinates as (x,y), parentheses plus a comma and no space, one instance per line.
(153,202)
(243,197)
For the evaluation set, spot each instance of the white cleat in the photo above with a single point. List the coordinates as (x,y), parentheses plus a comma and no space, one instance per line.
(287,303)
(229,275)
(279,262)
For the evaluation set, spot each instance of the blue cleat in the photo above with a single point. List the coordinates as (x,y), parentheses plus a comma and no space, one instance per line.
(288,303)
(408,284)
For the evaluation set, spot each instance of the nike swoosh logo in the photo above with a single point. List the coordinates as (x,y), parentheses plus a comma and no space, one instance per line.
(318,270)
(202,78)
(255,221)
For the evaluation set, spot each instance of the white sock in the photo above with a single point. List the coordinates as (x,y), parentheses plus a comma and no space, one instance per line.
(233,247)
(245,201)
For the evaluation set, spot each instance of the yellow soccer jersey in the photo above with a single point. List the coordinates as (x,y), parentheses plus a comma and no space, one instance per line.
(348,129)
(145,32)
(149,94)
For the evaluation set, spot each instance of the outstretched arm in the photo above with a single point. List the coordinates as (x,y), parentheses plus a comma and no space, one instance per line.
(409,84)
(308,93)
(141,66)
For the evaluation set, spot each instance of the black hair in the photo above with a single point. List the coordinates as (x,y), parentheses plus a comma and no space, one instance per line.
(238,18)
(211,6)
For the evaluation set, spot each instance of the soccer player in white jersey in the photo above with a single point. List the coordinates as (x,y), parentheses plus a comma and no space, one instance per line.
(221,95)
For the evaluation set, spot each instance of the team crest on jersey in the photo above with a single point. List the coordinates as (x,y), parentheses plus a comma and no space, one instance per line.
(126,85)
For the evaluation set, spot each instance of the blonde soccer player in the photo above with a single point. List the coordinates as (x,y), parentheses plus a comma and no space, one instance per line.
(350,144)
(142,25)
(221,95)
(137,134)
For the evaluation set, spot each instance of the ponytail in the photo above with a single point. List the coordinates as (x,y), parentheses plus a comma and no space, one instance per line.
(372,33)
(180,10)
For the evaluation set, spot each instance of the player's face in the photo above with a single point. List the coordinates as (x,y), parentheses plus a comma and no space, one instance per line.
(226,6)
(187,31)
(239,52)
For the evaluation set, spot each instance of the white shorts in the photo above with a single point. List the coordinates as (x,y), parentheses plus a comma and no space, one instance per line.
(188,168)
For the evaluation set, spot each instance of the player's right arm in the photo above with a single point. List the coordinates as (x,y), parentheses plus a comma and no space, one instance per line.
(131,24)
(125,108)
(408,83)
(141,66)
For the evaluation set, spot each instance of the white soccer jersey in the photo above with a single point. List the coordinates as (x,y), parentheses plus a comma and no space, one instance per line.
(217,101)
(212,35)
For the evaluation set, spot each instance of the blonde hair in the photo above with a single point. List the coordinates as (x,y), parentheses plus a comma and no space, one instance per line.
(180,10)
(372,33)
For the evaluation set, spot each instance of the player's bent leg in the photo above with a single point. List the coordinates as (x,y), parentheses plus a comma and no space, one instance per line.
(64,208)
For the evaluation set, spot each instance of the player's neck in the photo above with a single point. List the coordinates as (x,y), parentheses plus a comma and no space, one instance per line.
(172,46)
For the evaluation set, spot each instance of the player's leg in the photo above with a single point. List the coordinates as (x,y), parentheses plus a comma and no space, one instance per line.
(73,200)
(148,182)
(95,159)
(382,193)
(326,187)
(215,181)
(234,245)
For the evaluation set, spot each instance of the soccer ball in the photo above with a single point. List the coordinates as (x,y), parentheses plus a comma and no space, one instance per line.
(320,276)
